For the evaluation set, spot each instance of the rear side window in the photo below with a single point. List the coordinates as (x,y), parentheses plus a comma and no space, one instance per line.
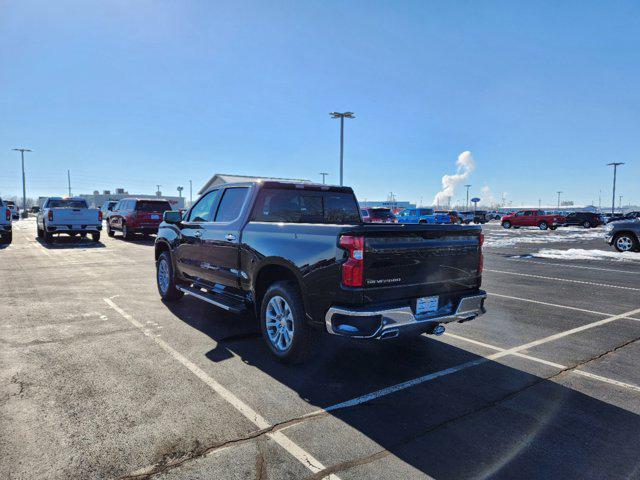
(295,206)
(203,210)
(231,204)
(426,211)
(152,206)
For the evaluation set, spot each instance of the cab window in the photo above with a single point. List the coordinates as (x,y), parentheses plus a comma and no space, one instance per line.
(203,210)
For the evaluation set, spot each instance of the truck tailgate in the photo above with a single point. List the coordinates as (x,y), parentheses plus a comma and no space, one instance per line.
(408,261)
(75,216)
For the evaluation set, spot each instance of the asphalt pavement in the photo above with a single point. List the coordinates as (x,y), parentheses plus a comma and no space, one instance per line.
(100,379)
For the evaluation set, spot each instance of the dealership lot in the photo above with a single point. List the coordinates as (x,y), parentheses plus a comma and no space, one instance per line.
(100,379)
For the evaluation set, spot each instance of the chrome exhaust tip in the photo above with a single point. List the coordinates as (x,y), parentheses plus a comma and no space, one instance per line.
(388,334)
(438,330)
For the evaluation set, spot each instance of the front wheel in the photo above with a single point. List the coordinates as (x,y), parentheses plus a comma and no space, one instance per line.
(166,279)
(506,224)
(543,225)
(7,238)
(625,242)
(554,227)
(126,234)
(284,327)
(586,224)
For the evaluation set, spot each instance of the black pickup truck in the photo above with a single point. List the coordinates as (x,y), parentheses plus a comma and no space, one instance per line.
(301,260)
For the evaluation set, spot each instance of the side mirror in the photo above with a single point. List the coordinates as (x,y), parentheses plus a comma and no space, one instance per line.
(172,216)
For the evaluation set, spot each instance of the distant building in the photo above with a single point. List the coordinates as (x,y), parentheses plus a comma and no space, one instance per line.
(97,199)
(221,178)
(395,205)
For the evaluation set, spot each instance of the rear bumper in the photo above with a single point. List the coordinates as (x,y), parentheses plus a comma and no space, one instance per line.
(73,228)
(388,323)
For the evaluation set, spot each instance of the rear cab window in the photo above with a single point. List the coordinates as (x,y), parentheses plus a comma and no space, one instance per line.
(67,203)
(305,206)
(152,206)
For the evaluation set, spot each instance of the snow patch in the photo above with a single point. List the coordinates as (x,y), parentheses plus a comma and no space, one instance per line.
(541,237)
(583,254)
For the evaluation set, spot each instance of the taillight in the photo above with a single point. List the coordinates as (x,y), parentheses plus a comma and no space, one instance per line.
(8,214)
(50,215)
(353,268)
(481,263)
(99,215)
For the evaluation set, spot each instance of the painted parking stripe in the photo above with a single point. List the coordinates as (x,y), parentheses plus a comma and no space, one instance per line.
(562,280)
(463,366)
(313,464)
(555,305)
(559,366)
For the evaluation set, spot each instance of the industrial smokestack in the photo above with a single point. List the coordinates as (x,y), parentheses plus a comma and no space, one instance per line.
(464,167)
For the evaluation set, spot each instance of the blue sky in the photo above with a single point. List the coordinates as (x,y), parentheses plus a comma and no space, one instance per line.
(135,94)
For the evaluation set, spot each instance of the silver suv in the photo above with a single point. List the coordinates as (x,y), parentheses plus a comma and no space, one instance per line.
(624,235)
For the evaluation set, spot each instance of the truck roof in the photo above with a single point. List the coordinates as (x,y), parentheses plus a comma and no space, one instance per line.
(138,199)
(286,185)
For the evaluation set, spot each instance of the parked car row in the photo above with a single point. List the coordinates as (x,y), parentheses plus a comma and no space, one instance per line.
(6,217)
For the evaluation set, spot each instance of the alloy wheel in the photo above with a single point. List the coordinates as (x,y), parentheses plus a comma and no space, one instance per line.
(279,323)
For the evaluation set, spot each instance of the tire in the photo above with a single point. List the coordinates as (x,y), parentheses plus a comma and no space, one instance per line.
(95,237)
(543,225)
(506,224)
(625,242)
(280,298)
(109,230)
(554,227)
(6,239)
(165,279)
(422,221)
(39,233)
(126,234)
(48,237)
(587,224)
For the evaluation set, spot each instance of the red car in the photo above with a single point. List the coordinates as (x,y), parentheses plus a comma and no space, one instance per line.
(136,215)
(378,215)
(532,218)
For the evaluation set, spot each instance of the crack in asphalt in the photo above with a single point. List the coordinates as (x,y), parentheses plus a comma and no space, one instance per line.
(171,461)
(343,466)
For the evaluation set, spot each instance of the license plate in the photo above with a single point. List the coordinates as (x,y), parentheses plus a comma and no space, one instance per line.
(426,305)
(155,217)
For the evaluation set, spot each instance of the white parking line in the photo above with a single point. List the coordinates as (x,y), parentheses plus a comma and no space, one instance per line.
(463,366)
(562,279)
(551,364)
(313,464)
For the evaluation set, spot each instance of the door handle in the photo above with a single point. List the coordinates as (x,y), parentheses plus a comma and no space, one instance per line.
(230,237)
(198,233)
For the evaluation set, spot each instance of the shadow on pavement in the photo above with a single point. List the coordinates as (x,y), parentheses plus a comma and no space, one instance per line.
(488,421)
(67,242)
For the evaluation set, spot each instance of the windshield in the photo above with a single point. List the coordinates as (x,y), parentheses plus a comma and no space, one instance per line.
(152,206)
(67,203)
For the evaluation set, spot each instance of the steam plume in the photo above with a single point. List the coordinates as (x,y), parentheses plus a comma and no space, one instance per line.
(464,167)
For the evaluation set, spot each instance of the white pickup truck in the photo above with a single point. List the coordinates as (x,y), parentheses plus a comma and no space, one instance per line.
(68,215)
(6,234)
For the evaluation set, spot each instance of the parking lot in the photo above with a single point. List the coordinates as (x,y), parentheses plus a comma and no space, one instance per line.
(100,379)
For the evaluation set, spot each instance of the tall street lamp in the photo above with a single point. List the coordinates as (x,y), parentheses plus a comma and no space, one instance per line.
(559,192)
(468,187)
(324,174)
(615,171)
(24,183)
(342,116)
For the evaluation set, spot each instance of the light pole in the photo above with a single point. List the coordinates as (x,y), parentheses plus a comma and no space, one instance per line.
(559,192)
(180,191)
(190,193)
(615,171)
(24,183)
(342,116)
(468,187)
(69,181)
(158,192)
(324,174)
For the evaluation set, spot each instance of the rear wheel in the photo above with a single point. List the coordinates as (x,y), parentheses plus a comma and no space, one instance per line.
(625,242)
(284,326)
(553,227)
(506,224)
(6,238)
(95,237)
(126,234)
(586,224)
(109,230)
(39,233)
(48,237)
(166,279)
(543,225)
